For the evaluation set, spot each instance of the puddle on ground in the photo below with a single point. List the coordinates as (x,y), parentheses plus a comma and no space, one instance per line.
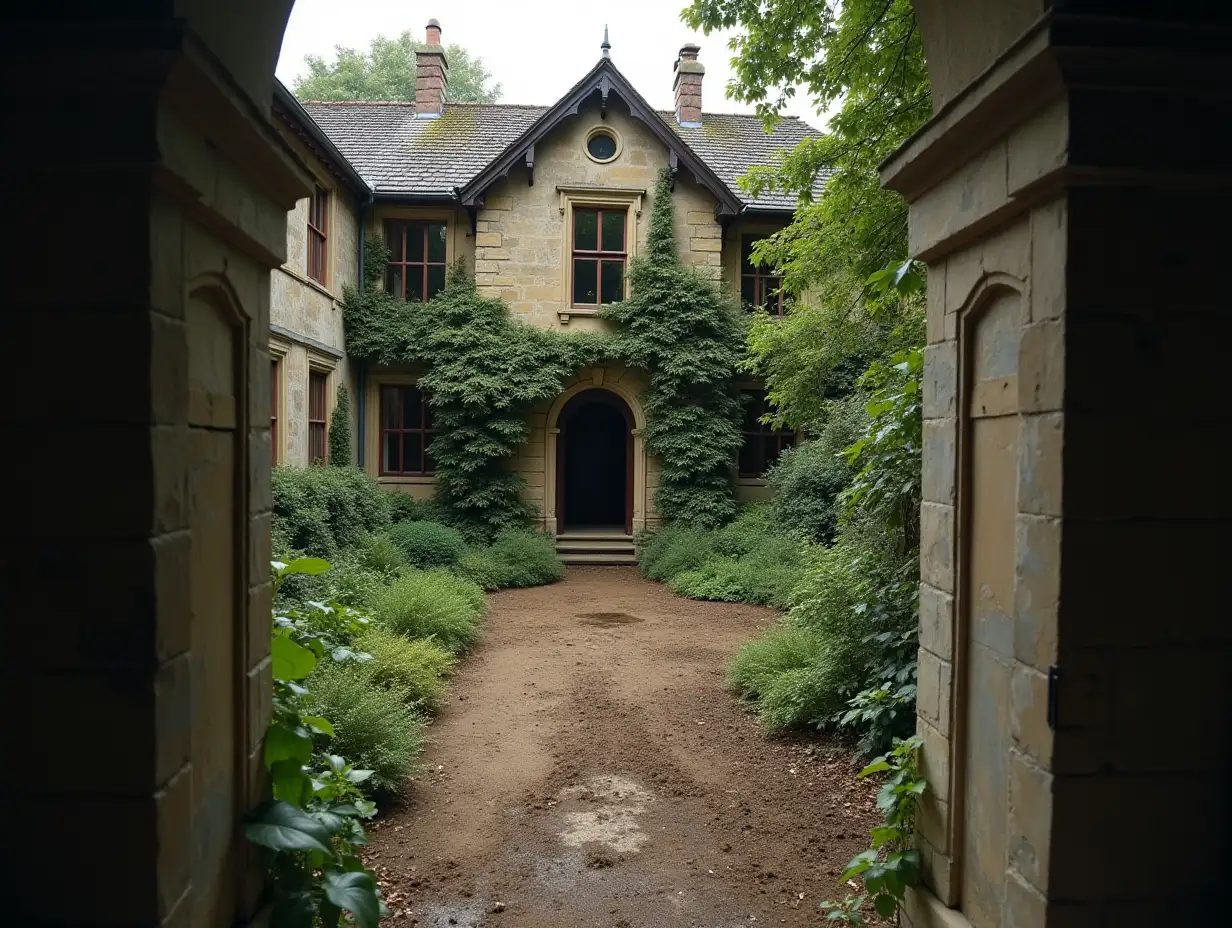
(608,618)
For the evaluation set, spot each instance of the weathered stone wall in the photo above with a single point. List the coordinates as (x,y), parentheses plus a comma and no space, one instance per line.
(522,253)
(308,314)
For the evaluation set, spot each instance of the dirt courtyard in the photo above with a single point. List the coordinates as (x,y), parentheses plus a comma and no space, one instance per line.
(590,770)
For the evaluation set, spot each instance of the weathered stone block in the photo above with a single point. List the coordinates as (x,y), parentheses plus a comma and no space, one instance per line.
(940,380)
(1040,464)
(936,302)
(1037,587)
(936,622)
(1025,906)
(1041,367)
(935,766)
(488,239)
(937,546)
(940,460)
(1049,242)
(1029,713)
(1030,819)
(705,244)
(928,698)
(498,203)
(1039,146)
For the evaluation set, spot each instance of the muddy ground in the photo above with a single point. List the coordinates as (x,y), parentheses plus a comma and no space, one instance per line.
(591,770)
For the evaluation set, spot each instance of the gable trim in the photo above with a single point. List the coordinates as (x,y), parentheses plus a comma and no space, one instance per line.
(604,77)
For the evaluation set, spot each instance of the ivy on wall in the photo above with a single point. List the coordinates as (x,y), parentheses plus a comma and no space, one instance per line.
(678,327)
(482,373)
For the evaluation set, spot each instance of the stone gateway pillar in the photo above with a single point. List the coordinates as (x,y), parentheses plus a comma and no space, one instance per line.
(1070,197)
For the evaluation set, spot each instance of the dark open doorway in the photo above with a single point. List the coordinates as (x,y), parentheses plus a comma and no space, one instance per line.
(594,487)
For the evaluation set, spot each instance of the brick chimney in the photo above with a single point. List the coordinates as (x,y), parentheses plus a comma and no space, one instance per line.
(431,75)
(688,86)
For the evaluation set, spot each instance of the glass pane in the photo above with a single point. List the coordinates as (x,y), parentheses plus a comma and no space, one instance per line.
(748,457)
(427,414)
(771,447)
(613,274)
(748,291)
(389,407)
(436,241)
(393,239)
(601,146)
(585,281)
(585,230)
(613,231)
(415,282)
(746,250)
(429,460)
(393,280)
(412,411)
(389,454)
(413,448)
(436,279)
(414,241)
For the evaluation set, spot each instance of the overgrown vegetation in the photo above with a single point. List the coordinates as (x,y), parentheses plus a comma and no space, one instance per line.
(430,604)
(679,328)
(324,510)
(340,429)
(515,559)
(481,372)
(428,544)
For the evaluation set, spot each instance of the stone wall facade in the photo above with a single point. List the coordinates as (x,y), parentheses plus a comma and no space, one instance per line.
(306,315)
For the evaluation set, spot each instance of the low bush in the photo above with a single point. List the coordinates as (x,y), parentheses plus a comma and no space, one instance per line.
(381,554)
(430,604)
(428,544)
(375,727)
(325,510)
(417,667)
(808,479)
(403,507)
(672,550)
(517,558)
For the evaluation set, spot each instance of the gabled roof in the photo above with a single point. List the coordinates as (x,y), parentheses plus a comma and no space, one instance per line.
(291,113)
(604,79)
(473,144)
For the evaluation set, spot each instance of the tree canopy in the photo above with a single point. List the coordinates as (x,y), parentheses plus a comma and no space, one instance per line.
(386,71)
(864,57)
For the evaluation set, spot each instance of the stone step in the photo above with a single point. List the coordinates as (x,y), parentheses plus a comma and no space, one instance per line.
(596,535)
(594,546)
(599,560)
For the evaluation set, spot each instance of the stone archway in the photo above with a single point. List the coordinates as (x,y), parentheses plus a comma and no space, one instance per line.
(594,463)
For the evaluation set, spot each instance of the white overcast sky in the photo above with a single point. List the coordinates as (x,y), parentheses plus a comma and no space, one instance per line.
(536,50)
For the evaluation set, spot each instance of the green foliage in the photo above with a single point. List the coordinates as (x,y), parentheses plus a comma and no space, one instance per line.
(311,830)
(382,555)
(891,866)
(414,667)
(515,559)
(673,550)
(808,479)
(387,71)
(677,326)
(374,724)
(325,509)
(431,604)
(428,544)
(340,429)
(482,374)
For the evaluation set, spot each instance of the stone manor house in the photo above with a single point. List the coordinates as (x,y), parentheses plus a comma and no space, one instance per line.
(548,204)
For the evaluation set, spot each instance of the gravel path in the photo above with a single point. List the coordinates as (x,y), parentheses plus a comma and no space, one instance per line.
(591,770)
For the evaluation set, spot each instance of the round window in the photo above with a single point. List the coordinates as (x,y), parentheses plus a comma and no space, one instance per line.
(602,146)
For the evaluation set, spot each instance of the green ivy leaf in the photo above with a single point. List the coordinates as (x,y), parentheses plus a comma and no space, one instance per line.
(290,660)
(290,782)
(885,904)
(306,565)
(356,893)
(878,766)
(282,743)
(320,725)
(282,827)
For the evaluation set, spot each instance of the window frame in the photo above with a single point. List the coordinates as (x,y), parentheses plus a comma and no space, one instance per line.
(318,428)
(426,433)
(318,235)
(405,265)
(761,278)
(275,375)
(598,255)
(764,436)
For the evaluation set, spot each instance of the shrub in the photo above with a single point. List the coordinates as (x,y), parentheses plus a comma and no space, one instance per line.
(340,429)
(381,554)
(517,558)
(403,507)
(375,727)
(673,550)
(770,672)
(430,604)
(324,510)
(808,479)
(765,576)
(428,544)
(416,667)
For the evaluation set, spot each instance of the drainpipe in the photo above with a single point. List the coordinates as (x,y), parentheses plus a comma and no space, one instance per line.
(360,391)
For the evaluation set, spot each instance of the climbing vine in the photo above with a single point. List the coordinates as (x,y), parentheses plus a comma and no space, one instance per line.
(677,326)
(481,373)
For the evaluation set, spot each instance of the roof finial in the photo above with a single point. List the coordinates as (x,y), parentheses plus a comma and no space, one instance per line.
(606,46)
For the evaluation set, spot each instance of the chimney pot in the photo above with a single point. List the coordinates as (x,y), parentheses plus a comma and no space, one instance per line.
(687,85)
(434,32)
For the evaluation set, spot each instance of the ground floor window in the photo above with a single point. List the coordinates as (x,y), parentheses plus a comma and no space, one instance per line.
(274,411)
(317,383)
(406,432)
(762,443)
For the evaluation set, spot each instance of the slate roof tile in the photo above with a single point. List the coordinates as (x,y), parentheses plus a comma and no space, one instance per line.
(399,154)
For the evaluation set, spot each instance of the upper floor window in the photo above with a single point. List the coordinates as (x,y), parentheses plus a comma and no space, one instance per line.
(317,402)
(318,226)
(759,287)
(416,270)
(599,255)
(406,432)
(762,443)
